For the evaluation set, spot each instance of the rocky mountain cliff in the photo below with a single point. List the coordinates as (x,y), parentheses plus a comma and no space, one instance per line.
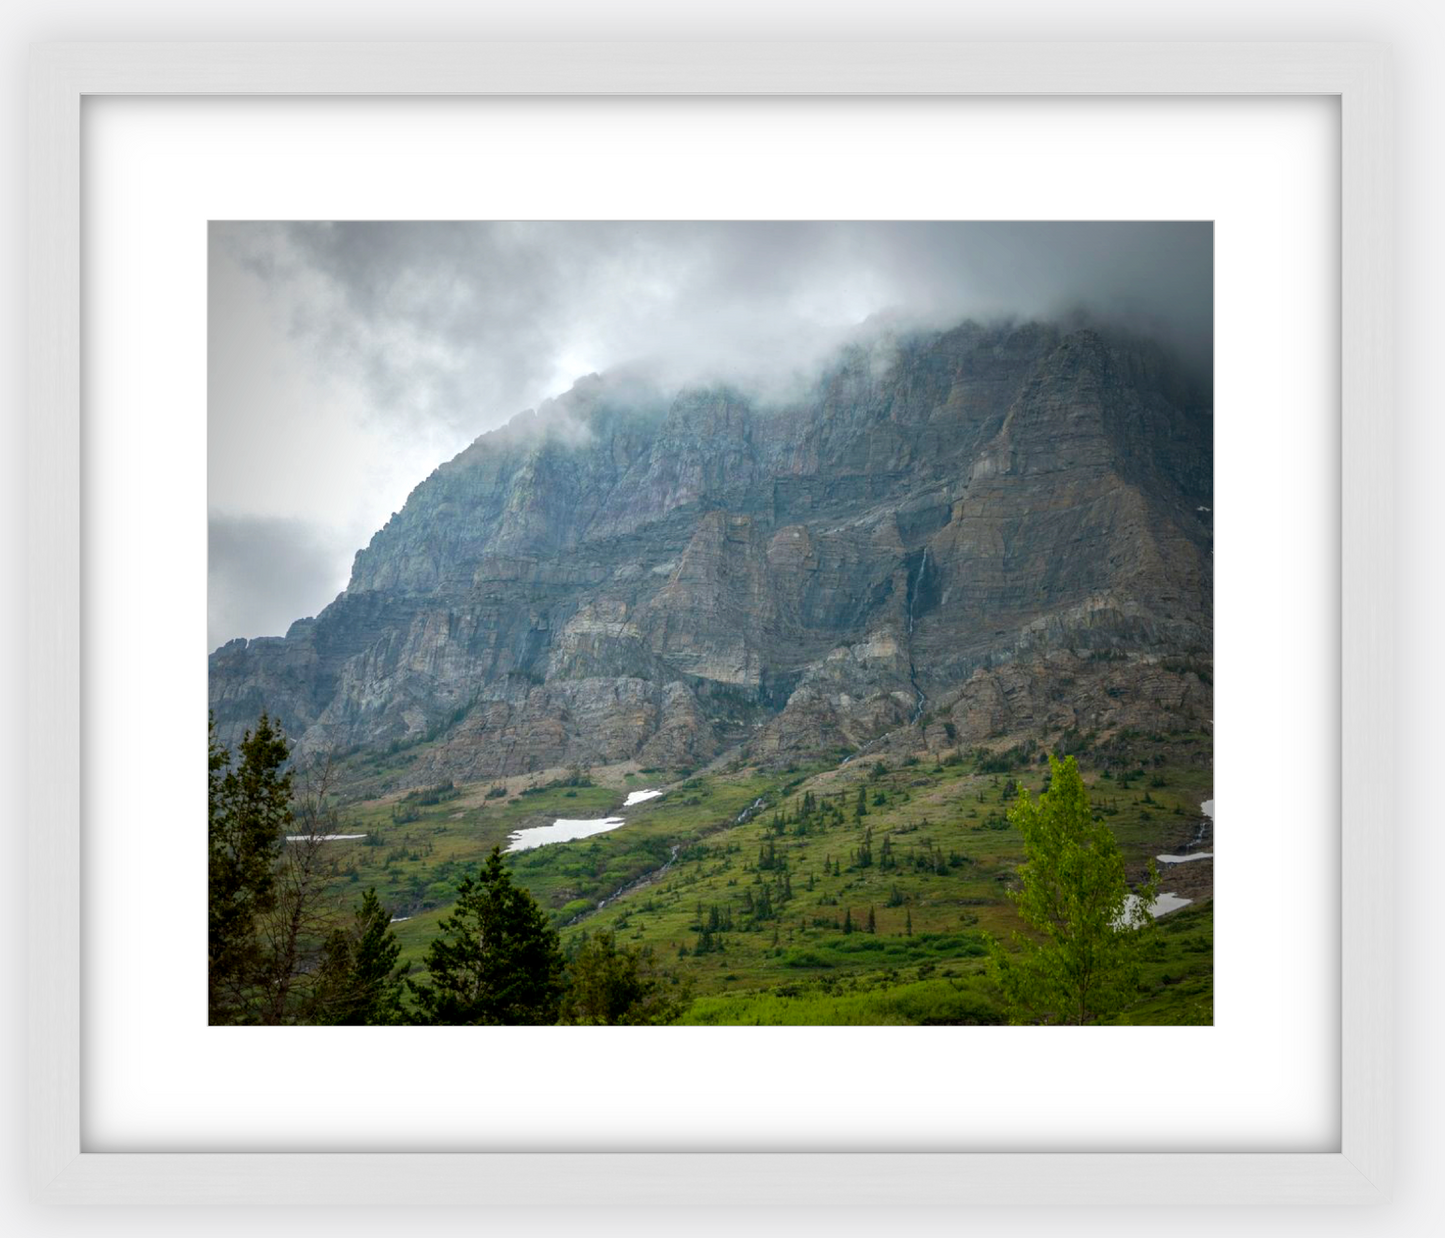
(949,536)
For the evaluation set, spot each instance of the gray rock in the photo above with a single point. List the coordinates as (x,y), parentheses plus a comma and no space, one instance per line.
(962,520)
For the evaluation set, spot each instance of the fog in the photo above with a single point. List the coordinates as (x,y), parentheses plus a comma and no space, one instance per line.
(348,359)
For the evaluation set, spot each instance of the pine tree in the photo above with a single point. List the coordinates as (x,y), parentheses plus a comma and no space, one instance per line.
(249,812)
(848,921)
(358,983)
(872,922)
(495,960)
(611,984)
(908,923)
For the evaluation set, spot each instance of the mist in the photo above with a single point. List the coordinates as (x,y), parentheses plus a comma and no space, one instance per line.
(348,359)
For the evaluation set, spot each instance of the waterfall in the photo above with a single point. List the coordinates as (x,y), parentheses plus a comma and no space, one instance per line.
(917,584)
(912,603)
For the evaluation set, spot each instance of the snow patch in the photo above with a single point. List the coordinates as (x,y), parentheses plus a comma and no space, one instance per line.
(563,830)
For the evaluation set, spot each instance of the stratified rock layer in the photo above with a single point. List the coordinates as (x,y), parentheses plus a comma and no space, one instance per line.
(1003,528)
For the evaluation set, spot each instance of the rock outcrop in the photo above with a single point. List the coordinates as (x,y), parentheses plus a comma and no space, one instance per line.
(949,523)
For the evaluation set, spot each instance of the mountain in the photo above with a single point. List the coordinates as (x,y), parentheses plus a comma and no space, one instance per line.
(948,537)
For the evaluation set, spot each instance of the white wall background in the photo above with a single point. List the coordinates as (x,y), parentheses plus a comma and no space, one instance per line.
(1414,29)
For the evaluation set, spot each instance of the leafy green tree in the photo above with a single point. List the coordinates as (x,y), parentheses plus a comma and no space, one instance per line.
(358,982)
(249,812)
(611,984)
(1081,963)
(495,959)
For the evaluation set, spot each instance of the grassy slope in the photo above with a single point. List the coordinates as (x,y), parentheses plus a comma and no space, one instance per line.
(953,856)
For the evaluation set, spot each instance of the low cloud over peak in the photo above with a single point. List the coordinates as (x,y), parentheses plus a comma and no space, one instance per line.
(348,359)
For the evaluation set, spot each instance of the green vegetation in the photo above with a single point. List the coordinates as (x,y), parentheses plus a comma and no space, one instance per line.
(922,1001)
(283,951)
(358,980)
(250,810)
(495,960)
(1081,963)
(803,911)
(613,985)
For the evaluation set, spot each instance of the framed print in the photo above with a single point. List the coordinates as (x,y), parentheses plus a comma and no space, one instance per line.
(774,717)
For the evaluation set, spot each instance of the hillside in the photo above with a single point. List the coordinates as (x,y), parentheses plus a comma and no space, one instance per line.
(943,539)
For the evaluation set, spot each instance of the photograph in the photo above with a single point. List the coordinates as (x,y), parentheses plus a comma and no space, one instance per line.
(702,623)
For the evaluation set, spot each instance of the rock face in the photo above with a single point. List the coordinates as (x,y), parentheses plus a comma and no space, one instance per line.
(950,525)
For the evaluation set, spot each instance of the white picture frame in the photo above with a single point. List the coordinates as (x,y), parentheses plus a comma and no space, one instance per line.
(62,75)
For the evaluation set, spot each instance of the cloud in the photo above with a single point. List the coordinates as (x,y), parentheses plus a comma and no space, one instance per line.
(348,359)
(261,569)
(467,323)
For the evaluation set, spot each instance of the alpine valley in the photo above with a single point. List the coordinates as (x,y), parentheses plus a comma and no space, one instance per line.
(847,620)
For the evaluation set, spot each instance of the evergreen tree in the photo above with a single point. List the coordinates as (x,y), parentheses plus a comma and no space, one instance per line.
(848,920)
(358,982)
(249,812)
(908,923)
(495,960)
(872,922)
(1081,965)
(610,984)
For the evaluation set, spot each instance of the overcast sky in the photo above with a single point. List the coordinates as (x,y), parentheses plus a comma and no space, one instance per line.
(347,360)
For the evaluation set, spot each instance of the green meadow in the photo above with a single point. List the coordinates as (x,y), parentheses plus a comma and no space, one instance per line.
(867,892)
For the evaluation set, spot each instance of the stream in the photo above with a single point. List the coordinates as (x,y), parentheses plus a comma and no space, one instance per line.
(1167,902)
(1203,836)
(656,874)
